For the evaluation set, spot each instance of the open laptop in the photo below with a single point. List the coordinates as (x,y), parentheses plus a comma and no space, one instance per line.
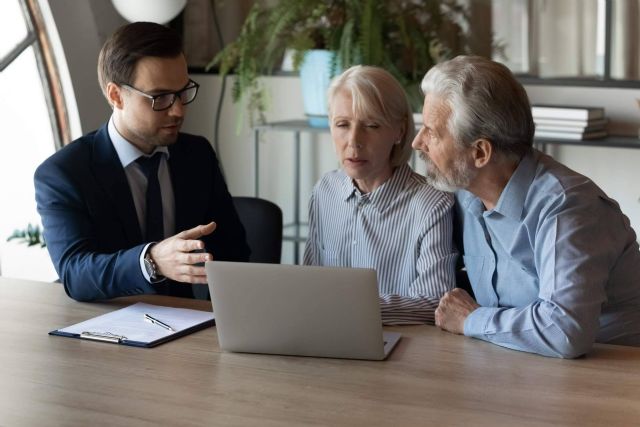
(298,310)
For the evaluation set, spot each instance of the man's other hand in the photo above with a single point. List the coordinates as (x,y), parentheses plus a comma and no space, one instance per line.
(453,309)
(174,258)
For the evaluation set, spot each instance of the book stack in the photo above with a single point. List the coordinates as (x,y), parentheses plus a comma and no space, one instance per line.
(576,123)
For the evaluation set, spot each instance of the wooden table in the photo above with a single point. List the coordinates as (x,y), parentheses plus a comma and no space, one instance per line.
(432,378)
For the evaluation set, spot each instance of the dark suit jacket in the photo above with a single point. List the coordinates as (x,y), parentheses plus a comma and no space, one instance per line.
(90,221)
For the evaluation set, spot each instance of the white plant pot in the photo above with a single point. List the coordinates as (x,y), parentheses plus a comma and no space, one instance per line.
(315,77)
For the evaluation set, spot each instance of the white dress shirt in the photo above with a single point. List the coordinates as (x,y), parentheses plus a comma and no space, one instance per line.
(128,154)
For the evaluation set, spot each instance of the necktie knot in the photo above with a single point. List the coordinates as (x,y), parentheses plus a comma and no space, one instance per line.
(150,164)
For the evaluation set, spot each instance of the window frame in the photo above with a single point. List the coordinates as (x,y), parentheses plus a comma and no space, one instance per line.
(47,69)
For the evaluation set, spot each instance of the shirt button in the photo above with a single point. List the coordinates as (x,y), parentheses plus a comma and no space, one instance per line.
(354,242)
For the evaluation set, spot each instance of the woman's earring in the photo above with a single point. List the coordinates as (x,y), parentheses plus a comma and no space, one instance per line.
(397,142)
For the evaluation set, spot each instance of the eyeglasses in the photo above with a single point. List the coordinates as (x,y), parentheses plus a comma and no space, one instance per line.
(164,101)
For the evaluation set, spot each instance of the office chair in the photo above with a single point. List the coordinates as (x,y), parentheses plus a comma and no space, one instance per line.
(262,221)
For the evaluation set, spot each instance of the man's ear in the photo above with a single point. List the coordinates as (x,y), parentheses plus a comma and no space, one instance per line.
(482,152)
(114,95)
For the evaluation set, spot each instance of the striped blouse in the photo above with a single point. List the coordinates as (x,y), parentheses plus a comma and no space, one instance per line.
(403,230)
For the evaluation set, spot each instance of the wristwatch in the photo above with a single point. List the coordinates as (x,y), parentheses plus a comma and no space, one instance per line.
(152,268)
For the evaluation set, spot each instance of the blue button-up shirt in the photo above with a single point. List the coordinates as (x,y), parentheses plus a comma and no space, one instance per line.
(555,265)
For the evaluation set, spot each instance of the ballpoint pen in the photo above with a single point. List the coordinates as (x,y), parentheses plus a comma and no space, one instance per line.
(158,322)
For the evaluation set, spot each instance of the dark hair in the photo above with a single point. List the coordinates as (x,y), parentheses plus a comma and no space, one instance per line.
(121,52)
(486,101)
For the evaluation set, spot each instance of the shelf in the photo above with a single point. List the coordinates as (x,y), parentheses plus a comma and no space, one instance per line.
(291,125)
(609,141)
(295,232)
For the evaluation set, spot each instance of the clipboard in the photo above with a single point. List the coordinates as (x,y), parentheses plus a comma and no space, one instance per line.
(128,325)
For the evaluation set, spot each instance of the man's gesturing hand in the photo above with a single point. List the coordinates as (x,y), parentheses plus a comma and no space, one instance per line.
(453,309)
(174,259)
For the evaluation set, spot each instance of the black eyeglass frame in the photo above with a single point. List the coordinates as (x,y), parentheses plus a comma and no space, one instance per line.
(177,94)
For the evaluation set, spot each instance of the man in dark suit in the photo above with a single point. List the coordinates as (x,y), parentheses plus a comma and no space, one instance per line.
(135,206)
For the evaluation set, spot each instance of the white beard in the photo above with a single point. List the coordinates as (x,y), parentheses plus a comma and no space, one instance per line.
(460,177)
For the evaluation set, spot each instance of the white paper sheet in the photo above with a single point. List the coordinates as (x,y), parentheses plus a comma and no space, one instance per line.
(129,322)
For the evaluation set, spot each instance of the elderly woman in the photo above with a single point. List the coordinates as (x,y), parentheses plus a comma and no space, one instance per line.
(375,212)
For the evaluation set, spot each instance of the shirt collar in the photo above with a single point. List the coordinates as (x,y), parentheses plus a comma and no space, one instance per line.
(347,188)
(511,201)
(127,152)
(470,202)
(382,196)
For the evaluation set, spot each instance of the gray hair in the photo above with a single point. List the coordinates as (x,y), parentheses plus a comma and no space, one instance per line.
(486,101)
(376,94)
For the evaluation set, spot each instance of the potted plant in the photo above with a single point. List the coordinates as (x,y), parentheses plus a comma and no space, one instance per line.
(32,236)
(23,255)
(406,37)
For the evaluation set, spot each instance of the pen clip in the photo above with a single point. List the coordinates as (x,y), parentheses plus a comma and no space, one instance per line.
(103,336)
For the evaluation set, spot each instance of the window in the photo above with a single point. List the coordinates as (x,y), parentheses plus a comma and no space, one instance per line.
(33,123)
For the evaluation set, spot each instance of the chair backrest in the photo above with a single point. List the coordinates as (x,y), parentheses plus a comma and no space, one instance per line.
(262,221)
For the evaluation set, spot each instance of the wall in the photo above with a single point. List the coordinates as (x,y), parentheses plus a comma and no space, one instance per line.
(614,169)
(276,149)
(83,27)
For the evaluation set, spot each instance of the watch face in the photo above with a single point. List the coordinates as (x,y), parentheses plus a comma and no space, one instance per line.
(150,267)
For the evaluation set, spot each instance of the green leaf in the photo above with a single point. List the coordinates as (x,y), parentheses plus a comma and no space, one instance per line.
(404,36)
(31,235)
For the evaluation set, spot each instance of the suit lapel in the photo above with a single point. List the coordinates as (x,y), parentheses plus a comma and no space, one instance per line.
(110,175)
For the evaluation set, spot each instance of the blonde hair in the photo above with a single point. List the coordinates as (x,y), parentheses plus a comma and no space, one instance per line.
(376,94)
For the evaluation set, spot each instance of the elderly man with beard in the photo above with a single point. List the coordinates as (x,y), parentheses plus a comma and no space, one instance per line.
(553,263)
(135,206)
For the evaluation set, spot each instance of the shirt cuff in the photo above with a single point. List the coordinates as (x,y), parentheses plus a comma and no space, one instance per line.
(476,323)
(143,268)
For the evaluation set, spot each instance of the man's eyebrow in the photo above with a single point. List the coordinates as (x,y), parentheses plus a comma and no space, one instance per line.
(160,90)
(432,130)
